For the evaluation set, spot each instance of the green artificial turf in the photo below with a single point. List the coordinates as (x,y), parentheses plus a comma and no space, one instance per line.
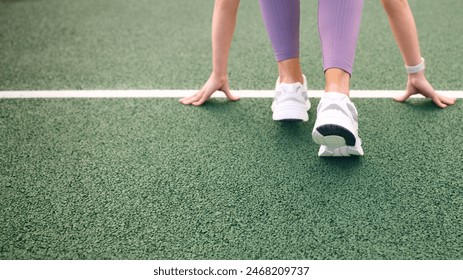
(145,44)
(151,179)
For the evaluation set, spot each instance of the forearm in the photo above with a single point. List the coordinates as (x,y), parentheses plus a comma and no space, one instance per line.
(223,27)
(404,29)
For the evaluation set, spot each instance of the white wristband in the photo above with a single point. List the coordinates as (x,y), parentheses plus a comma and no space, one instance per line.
(417,68)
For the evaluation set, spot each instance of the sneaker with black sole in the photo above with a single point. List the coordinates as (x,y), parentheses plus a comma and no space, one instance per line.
(337,126)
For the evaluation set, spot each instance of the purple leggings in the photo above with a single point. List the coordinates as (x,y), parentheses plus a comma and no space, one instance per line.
(338,24)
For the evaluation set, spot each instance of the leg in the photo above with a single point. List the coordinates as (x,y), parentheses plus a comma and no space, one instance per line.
(339,25)
(336,128)
(281,19)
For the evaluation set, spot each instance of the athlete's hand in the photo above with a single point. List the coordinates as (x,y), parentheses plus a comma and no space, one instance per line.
(417,83)
(212,85)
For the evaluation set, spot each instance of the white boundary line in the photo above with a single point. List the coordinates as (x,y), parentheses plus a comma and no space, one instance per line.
(184,93)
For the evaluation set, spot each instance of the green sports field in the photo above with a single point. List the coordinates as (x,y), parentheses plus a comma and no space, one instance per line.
(148,178)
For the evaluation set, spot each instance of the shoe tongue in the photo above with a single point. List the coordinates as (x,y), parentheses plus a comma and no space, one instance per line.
(290,87)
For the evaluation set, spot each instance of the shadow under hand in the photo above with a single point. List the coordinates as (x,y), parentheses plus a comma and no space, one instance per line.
(421,104)
(218,105)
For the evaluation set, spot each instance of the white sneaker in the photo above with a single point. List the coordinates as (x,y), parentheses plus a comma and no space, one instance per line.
(290,102)
(337,126)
